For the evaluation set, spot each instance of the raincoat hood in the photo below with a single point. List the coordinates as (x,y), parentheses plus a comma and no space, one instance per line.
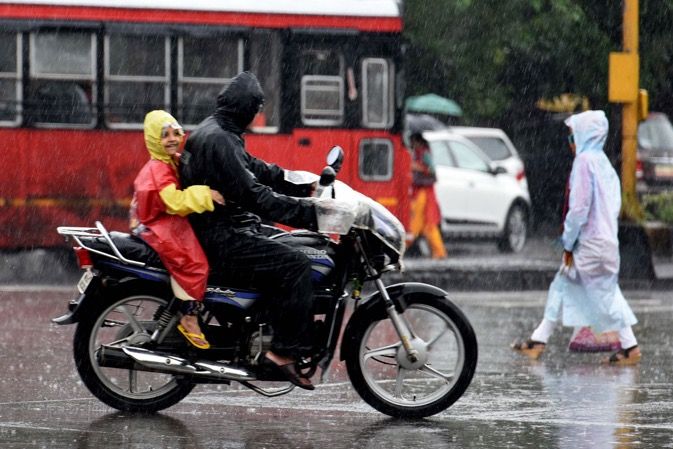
(155,121)
(239,102)
(590,130)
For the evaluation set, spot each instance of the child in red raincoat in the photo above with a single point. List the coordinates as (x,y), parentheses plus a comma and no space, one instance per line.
(158,216)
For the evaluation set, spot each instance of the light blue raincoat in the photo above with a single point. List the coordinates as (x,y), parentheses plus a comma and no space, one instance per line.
(588,294)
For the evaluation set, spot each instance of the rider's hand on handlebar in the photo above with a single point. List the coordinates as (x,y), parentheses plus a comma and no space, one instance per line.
(217,197)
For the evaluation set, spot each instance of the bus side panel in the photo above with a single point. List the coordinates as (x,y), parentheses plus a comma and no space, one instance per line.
(74,177)
(306,149)
(66,177)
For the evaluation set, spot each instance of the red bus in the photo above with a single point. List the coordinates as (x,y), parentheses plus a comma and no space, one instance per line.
(77,78)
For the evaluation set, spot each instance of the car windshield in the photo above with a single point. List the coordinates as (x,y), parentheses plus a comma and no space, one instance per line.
(656,134)
(494,148)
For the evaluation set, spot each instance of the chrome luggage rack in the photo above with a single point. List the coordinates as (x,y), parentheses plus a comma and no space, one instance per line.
(99,231)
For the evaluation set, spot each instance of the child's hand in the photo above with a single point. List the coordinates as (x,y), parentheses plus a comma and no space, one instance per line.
(217,197)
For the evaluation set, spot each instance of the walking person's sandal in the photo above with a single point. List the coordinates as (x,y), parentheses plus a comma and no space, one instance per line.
(623,357)
(530,348)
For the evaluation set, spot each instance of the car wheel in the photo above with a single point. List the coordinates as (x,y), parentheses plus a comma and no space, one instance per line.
(514,236)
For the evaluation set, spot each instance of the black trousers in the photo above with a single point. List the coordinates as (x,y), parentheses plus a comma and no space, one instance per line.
(246,258)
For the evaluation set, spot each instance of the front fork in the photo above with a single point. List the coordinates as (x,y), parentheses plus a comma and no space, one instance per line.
(399,323)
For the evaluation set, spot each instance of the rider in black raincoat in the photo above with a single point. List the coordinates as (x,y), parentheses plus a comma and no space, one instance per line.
(239,254)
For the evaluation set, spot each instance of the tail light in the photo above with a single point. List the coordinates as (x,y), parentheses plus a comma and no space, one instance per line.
(521,175)
(83,257)
(639,169)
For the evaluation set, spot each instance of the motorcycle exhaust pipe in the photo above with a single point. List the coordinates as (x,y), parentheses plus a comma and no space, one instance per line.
(114,357)
(156,361)
(145,360)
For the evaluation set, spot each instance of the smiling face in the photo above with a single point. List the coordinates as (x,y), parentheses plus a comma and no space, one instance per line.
(171,138)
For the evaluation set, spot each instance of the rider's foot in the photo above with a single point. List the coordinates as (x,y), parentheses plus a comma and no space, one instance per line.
(289,368)
(189,327)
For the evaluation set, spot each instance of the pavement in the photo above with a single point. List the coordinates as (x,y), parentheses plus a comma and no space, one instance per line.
(470,266)
(479,266)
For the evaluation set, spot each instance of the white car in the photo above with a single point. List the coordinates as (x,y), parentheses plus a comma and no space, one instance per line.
(477,197)
(498,147)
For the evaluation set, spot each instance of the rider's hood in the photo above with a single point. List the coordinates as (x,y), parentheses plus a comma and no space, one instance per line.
(155,122)
(239,102)
(590,130)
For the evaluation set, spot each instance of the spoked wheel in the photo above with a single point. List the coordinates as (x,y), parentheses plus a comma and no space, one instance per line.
(386,379)
(128,321)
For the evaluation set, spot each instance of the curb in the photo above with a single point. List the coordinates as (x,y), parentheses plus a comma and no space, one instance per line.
(503,278)
(55,267)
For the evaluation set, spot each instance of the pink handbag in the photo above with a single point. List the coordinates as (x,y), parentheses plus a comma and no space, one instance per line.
(586,340)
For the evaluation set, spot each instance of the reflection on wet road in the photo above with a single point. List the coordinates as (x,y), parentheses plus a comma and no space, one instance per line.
(565,400)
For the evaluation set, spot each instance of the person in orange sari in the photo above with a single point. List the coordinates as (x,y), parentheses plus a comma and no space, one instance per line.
(425,214)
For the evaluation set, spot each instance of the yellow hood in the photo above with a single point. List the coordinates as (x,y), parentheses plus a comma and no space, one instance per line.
(155,121)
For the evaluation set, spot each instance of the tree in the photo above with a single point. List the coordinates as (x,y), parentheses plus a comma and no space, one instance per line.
(498,58)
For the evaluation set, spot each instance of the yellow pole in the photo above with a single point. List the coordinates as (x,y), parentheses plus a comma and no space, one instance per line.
(631,209)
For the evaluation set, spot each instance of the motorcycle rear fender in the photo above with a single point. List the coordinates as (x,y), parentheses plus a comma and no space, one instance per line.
(100,288)
(374,307)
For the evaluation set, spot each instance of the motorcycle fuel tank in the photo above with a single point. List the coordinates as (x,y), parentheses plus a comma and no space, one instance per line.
(317,248)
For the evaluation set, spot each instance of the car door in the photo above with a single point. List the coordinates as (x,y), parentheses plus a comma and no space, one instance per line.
(451,186)
(487,201)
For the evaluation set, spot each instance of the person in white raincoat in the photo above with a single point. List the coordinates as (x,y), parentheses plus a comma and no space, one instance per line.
(585,291)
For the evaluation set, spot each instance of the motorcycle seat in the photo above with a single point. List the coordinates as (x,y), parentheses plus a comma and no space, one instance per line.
(130,246)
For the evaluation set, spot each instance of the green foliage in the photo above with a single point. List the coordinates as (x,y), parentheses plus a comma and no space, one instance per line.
(497,58)
(659,207)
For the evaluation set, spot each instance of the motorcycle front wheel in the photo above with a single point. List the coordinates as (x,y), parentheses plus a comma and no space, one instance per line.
(128,320)
(386,379)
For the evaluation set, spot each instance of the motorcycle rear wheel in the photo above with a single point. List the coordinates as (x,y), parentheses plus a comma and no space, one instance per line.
(129,319)
(383,376)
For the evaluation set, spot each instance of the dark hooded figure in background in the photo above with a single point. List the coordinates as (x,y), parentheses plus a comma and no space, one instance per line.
(239,254)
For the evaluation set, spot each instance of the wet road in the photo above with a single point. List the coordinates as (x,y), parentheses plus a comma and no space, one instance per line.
(565,400)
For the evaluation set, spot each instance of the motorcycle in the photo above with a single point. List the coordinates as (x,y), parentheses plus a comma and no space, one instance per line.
(409,351)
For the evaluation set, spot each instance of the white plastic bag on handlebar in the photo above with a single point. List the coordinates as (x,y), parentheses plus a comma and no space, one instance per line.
(334,216)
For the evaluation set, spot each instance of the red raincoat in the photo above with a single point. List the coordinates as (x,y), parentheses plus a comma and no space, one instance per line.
(161,206)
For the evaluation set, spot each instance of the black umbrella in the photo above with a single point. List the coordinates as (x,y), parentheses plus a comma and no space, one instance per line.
(417,123)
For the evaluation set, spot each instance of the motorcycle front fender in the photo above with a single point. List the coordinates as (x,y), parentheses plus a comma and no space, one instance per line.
(374,307)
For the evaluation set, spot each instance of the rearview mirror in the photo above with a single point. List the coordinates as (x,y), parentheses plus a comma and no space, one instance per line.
(335,158)
(498,170)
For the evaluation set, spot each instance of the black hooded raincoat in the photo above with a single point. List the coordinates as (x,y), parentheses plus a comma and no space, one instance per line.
(239,254)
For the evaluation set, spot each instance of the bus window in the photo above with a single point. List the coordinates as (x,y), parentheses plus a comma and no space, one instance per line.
(322,88)
(205,66)
(265,59)
(377,93)
(10,78)
(62,78)
(136,77)
(376,160)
